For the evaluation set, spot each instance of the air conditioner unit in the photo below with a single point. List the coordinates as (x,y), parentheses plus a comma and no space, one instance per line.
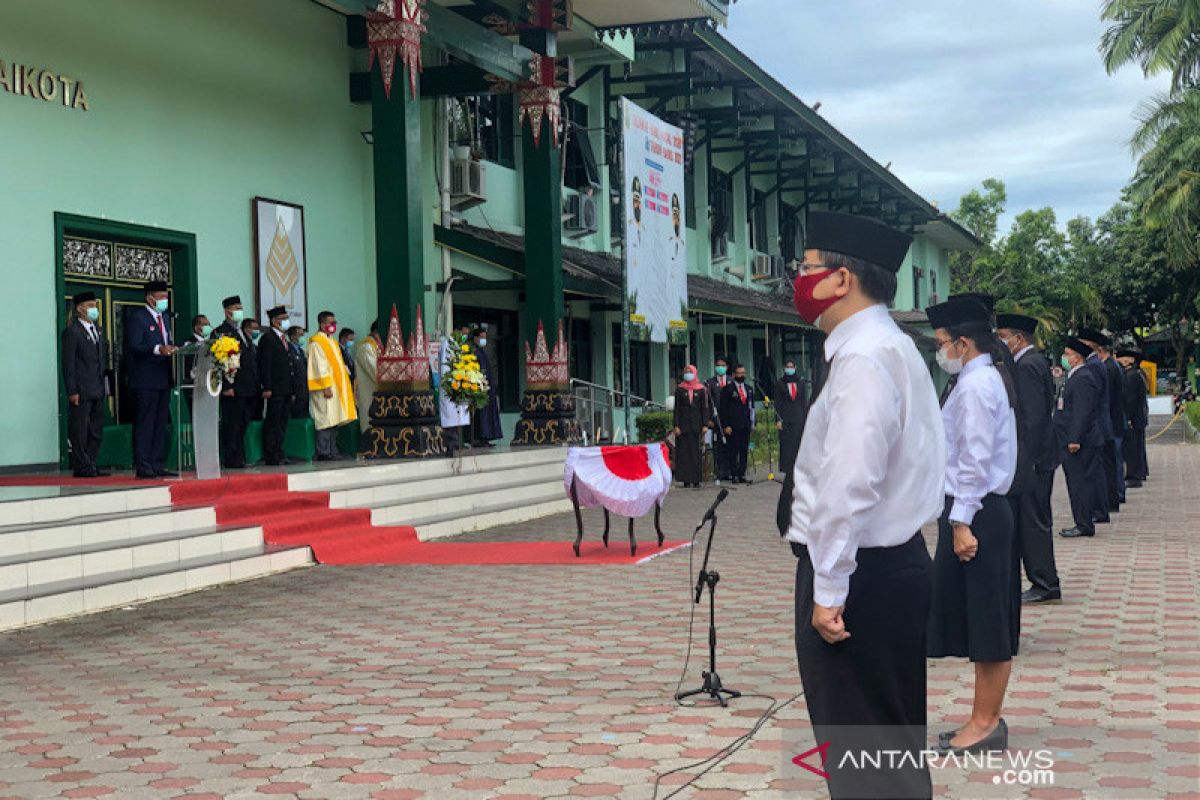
(761,267)
(582,217)
(777,267)
(468,186)
(720,247)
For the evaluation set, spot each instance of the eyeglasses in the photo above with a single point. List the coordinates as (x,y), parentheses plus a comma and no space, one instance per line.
(809,269)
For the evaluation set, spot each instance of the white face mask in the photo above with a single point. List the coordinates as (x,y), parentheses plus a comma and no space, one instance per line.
(689,376)
(952,366)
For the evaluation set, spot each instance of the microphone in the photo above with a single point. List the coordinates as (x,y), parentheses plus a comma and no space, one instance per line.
(712,510)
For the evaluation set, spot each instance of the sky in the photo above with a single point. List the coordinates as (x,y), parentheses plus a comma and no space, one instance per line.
(956,91)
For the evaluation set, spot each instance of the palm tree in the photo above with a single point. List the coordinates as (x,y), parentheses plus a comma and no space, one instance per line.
(1167,182)
(1159,35)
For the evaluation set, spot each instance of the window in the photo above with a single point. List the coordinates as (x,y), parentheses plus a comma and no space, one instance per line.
(758,221)
(720,189)
(489,128)
(916,286)
(933,289)
(580,169)
(677,360)
(789,232)
(689,198)
(639,366)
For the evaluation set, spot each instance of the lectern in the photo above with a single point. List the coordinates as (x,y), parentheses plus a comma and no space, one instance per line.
(196,376)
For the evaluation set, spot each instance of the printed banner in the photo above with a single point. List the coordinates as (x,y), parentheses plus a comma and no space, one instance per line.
(655,247)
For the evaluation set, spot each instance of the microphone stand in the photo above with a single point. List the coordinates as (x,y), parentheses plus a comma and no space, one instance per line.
(712,681)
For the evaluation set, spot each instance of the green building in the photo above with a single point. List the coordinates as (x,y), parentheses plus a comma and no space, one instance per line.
(140,133)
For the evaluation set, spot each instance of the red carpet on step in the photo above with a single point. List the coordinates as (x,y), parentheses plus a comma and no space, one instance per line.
(346,536)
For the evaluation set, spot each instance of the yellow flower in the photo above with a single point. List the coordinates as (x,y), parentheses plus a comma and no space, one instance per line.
(466,348)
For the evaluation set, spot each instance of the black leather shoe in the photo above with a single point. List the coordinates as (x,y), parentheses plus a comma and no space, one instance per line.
(103,473)
(945,736)
(994,742)
(147,476)
(1133,483)
(1071,533)
(1047,596)
(166,473)
(85,473)
(1102,520)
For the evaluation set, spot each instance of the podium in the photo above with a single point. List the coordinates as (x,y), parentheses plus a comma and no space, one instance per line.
(197,378)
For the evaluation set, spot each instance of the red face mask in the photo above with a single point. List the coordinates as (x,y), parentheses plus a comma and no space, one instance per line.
(808,307)
(329,329)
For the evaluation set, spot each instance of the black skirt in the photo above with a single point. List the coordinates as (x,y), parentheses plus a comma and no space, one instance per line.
(689,457)
(971,614)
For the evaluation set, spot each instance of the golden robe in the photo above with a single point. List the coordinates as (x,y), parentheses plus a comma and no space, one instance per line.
(366,356)
(326,370)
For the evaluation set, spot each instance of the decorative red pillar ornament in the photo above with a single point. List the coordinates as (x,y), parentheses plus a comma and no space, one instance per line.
(395,26)
(541,98)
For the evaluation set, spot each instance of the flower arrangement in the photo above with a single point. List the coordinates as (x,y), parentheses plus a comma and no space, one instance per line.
(225,352)
(465,384)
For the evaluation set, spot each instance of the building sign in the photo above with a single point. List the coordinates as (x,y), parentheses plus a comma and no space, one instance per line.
(42,84)
(655,244)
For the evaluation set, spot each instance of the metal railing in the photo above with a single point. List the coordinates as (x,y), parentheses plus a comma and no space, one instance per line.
(596,410)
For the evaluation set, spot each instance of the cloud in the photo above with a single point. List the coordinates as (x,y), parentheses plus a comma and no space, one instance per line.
(952,93)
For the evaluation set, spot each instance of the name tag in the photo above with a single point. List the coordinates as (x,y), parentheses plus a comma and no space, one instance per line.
(1060,404)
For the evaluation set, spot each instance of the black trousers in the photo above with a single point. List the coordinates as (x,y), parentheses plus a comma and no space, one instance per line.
(1110,493)
(85,431)
(720,455)
(150,430)
(235,416)
(868,692)
(1084,475)
(737,444)
(274,427)
(1035,533)
(1134,445)
(1119,466)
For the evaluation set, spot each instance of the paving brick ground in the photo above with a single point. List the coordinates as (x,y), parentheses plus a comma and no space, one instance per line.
(530,682)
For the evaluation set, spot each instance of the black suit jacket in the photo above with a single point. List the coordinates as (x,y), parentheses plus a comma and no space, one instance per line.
(734,413)
(145,370)
(713,385)
(1098,369)
(1035,398)
(274,365)
(299,364)
(245,382)
(1077,419)
(1137,410)
(1116,395)
(83,362)
(791,412)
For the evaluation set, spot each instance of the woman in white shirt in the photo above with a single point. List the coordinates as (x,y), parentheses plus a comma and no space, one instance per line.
(972,606)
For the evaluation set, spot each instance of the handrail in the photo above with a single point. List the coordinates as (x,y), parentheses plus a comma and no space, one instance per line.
(597,415)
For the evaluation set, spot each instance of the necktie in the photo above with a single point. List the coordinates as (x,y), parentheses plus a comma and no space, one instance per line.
(742,393)
(792,390)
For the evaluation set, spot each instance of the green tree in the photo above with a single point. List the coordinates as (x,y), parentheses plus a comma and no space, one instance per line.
(1167,182)
(1159,35)
(979,212)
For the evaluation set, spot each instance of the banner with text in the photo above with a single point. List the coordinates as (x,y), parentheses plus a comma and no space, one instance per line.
(655,247)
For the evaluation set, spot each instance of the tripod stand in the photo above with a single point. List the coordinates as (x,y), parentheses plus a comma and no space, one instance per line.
(712,681)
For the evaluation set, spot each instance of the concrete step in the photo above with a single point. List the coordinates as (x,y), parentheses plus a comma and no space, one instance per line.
(100,532)
(358,476)
(152,583)
(78,507)
(429,489)
(46,576)
(470,503)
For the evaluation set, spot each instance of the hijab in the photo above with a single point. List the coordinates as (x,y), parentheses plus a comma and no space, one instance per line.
(693,384)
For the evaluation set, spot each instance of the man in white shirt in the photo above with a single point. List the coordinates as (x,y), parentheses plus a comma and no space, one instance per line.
(868,475)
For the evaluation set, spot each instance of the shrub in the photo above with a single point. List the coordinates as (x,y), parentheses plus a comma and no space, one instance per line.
(654,426)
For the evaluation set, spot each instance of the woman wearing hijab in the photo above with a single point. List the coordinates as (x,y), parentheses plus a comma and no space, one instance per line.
(971,612)
(691,421)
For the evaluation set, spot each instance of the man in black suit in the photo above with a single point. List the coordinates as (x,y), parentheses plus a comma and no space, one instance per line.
(84,358)
(716,385)
(1078,429)
(1137,416)
(299,362)
(791,409)
(275,378)
(237,397)
(735,408)
(1035,398)
(1109,499)
(148,352)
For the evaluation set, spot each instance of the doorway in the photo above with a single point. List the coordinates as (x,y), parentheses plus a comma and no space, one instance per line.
(114,260)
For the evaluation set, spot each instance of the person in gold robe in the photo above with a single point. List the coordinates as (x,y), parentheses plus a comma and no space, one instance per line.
(366,356)
(330,395)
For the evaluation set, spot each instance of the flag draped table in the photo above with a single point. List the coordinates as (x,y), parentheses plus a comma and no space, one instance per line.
(629,481)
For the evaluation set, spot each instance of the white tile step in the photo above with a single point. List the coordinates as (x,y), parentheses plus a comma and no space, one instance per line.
(101,533)
(80,507)
(373,474)
(489,519)
(190,576)
(467,504)
(47,576)
(435,488)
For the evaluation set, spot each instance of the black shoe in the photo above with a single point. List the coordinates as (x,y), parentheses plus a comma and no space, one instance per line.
(1047,596)
(273,463)
(147,476)
(1133,483)
(166,473)
(326,458)
(994,742)
(1071,533)
(1102,520)
(102,473)
(85,473)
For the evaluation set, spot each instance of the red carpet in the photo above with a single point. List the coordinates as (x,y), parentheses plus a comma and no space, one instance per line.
(346,536)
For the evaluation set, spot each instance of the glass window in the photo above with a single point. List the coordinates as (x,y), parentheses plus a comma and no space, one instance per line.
(720,187)
(580,169)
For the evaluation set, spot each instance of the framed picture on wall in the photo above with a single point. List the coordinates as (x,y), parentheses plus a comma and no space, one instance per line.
(280,266)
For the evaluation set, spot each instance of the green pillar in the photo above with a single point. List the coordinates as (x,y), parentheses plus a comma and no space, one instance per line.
(543,231)
(399,229)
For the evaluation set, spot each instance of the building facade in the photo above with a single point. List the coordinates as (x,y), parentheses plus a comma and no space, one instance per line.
(141,133)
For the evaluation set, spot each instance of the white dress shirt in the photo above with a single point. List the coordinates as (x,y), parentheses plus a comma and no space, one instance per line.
(981,438)
(1022,352)
(872,458)
(92,333)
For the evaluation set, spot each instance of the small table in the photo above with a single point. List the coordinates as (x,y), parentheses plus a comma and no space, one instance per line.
(626,480)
